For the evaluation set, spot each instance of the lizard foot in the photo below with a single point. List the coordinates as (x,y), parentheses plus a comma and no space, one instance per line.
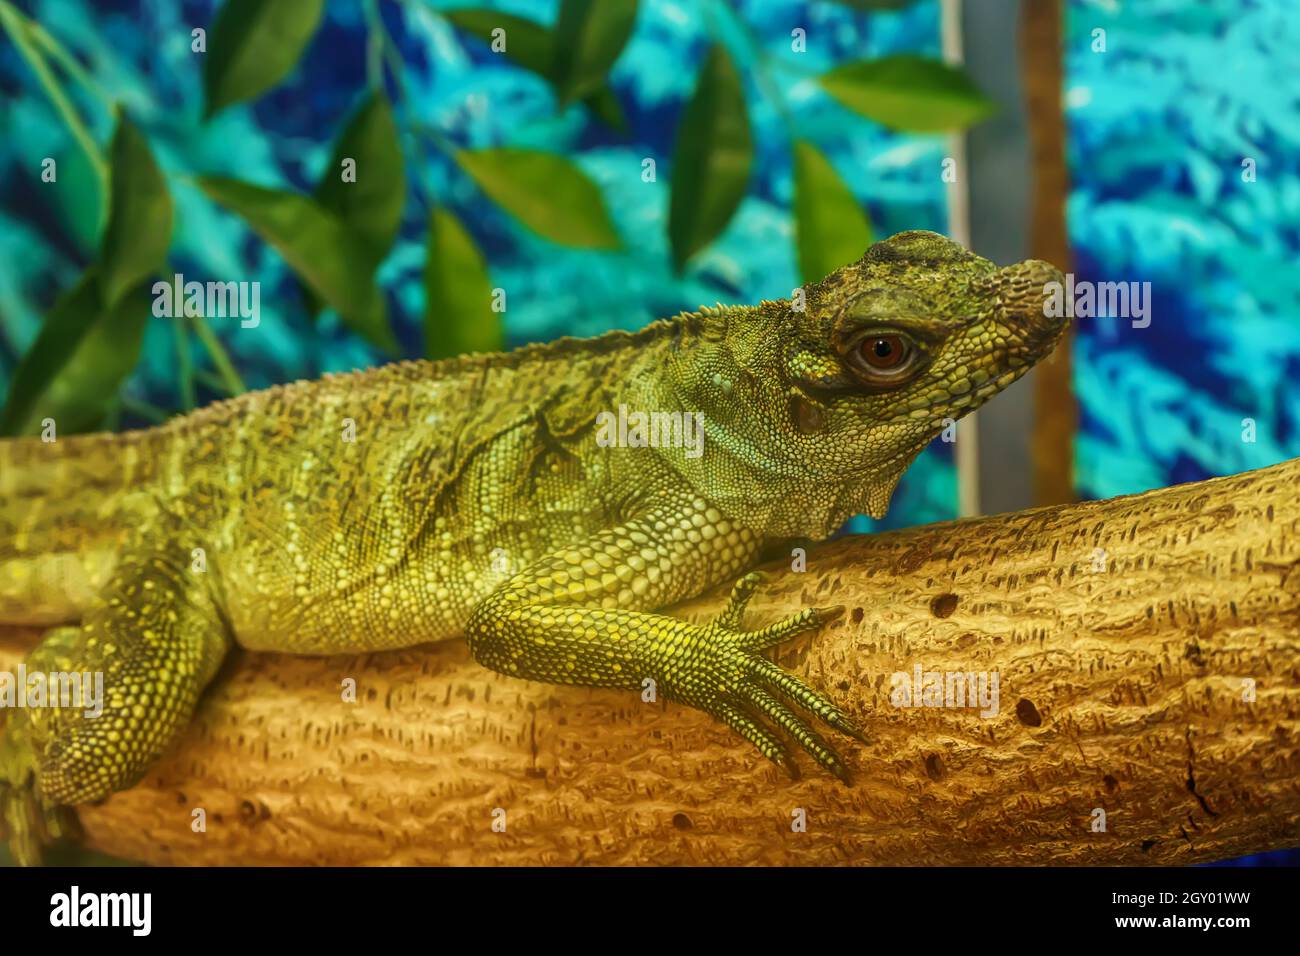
(28,821)
(736,684)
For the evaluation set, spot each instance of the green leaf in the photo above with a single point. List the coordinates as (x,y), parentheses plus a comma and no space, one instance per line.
(77,197)
(527,42)
(908,92)
(458,315)
(253,46)
(372,206)
(139,215)
(590,34)
(81,357)
(547,193)
(316,244)
(532,46)
(831,228)
(605,106)
(712,158)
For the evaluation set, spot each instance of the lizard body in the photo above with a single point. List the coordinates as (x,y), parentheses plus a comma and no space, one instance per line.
(423,501)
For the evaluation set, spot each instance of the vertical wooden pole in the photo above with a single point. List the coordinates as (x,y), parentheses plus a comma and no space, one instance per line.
(1055,408)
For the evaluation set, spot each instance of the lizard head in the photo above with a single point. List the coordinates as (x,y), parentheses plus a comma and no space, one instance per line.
(814,406)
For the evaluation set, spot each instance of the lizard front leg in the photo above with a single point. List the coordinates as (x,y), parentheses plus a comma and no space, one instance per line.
(581,616)
(157,639)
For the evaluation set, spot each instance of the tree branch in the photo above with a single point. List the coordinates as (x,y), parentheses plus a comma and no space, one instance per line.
(1147,650)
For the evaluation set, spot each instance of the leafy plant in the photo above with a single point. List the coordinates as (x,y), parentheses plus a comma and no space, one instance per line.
(532,46)
(369,206)
(139,215)
(335,238)
(830,227)
(909,92)
(255,44)
(372,205)
(73,370)
(91,339)
(545,192)
(591,35)
(457,285)
(715,144)
(332,261)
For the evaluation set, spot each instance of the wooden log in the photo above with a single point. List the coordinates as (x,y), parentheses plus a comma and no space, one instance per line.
(1147,652)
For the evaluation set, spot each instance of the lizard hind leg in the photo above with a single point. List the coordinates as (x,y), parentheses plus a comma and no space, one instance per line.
(28,821)
(119,689)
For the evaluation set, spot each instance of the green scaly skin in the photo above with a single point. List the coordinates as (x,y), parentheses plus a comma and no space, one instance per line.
(475,500)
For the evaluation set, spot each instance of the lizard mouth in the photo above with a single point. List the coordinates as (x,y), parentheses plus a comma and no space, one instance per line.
(967,401)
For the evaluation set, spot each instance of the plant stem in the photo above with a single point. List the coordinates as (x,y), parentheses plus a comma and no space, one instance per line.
(20,30)
(392,56)
(184,363)
(760,61)
(217,352)
(436,137)
(68,62)
(374,47)
(146,410)
(231,382)
(210,380)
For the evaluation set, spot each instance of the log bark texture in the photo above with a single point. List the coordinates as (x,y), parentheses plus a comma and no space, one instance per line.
(1148,656)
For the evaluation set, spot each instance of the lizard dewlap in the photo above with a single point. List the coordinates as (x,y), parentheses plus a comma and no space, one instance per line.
(543,504)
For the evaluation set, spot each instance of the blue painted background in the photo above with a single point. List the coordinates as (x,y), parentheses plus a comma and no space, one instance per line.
(1159,127)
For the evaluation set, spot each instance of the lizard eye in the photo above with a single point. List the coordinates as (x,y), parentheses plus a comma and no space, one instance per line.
(884,358)
(884,351)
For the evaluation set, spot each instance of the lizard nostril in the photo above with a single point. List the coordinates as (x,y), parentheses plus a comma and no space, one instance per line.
(1029,294)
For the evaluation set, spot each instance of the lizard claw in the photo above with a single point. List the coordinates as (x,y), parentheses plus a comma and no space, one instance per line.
(756,690)
(28,821)
(830,613)
(739,600)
